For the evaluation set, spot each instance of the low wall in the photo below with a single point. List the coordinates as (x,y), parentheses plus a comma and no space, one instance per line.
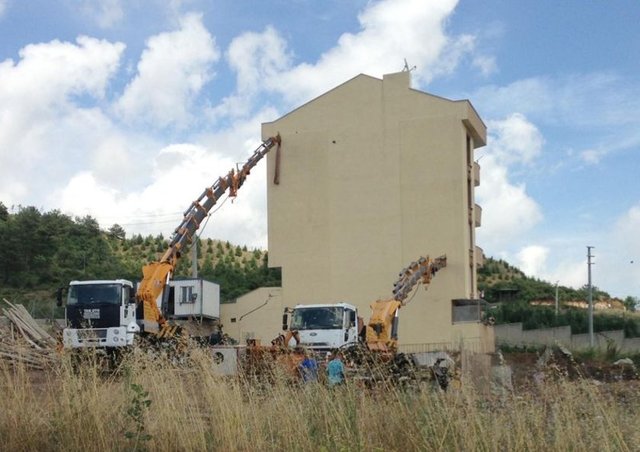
(513,334)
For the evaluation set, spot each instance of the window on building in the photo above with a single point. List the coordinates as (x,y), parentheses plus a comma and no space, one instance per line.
(187,295)
(233,320)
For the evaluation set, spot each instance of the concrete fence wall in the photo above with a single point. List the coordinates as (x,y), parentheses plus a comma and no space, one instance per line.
(513,334)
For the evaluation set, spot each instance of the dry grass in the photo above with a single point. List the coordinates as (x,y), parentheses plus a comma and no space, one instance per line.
(82,409)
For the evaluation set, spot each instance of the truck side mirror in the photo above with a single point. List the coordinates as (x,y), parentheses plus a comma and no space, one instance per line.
(349,319)
(285,322)
(59,294)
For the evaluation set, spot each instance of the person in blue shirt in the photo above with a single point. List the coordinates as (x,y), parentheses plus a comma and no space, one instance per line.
(308,368)
(335,369)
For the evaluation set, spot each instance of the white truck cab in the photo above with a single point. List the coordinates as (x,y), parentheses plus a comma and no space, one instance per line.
(100,313)
(323,327)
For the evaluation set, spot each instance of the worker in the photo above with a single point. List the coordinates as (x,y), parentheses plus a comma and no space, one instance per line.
(335,369)
(308,368)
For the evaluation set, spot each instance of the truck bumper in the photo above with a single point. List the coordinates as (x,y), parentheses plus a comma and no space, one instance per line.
(97,337)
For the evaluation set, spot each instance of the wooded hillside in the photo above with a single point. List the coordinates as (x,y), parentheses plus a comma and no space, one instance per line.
(44,251)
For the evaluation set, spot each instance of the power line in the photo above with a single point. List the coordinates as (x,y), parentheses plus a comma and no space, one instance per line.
(143,223)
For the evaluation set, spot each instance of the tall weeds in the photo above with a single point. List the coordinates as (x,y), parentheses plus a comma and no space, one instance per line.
(150,404)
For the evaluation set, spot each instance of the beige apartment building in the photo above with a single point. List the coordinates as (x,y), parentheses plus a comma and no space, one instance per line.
(372,175)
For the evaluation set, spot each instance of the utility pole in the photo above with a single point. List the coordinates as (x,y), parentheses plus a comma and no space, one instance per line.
(557,297)
(194,258)
(589,264)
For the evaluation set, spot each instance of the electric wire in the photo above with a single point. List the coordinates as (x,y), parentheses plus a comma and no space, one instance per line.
(415,291)
(211,213)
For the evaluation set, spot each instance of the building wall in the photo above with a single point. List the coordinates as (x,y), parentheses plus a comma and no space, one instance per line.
(256,315)
(373,175)
(513,334)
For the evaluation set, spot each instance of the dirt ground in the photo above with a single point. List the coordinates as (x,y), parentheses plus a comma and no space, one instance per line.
(528,368)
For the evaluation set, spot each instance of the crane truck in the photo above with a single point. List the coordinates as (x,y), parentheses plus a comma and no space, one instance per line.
(110,313)
(371,348)
(322,327)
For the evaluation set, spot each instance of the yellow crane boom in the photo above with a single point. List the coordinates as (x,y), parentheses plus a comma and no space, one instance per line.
(156,275)
(382,329)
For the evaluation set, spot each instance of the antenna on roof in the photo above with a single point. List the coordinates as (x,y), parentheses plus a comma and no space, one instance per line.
(406,67)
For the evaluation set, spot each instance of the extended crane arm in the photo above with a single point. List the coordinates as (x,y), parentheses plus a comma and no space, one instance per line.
(382,330)
(421,271)
(156,275)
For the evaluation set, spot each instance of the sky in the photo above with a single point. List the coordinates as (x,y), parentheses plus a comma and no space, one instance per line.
(127,110)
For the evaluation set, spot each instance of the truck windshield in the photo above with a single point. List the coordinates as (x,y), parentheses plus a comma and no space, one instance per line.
(87,294)
(325,318)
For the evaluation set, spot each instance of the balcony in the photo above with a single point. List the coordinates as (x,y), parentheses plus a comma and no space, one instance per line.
(478,256)
(473,173)
(477,215)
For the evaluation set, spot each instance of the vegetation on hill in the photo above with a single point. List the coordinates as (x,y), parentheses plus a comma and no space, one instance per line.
(44,251)
(511,292)
(499,281)
(533,317)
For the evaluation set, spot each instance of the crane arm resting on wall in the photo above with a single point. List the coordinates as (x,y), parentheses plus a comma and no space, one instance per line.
(156,275)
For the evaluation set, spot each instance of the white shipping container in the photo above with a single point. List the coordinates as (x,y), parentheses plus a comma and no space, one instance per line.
(195,297)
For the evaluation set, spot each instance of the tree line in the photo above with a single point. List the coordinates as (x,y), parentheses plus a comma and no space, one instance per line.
(500,282)
(46,250)
(510,293)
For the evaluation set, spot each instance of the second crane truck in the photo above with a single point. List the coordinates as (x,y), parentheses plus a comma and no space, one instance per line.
(322,327)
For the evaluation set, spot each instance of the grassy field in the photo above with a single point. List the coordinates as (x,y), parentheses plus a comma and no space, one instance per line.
(151,405)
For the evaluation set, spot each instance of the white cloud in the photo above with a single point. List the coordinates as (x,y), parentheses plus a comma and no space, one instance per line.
(597,99)
(171,73)
(628,226)
(255,58)
(508,211)
(568,272)
(47,75)
(618,140)
(533,95)
(84,193)
(532,260)
(106,13)
(391,31)
(618,258)
(551,262)
(111,159)
(3,7)
(178,174)
(592,156)
(39,118)
(515,140)
(486,64)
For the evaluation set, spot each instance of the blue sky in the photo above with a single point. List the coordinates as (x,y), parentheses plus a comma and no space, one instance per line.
(125,110)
